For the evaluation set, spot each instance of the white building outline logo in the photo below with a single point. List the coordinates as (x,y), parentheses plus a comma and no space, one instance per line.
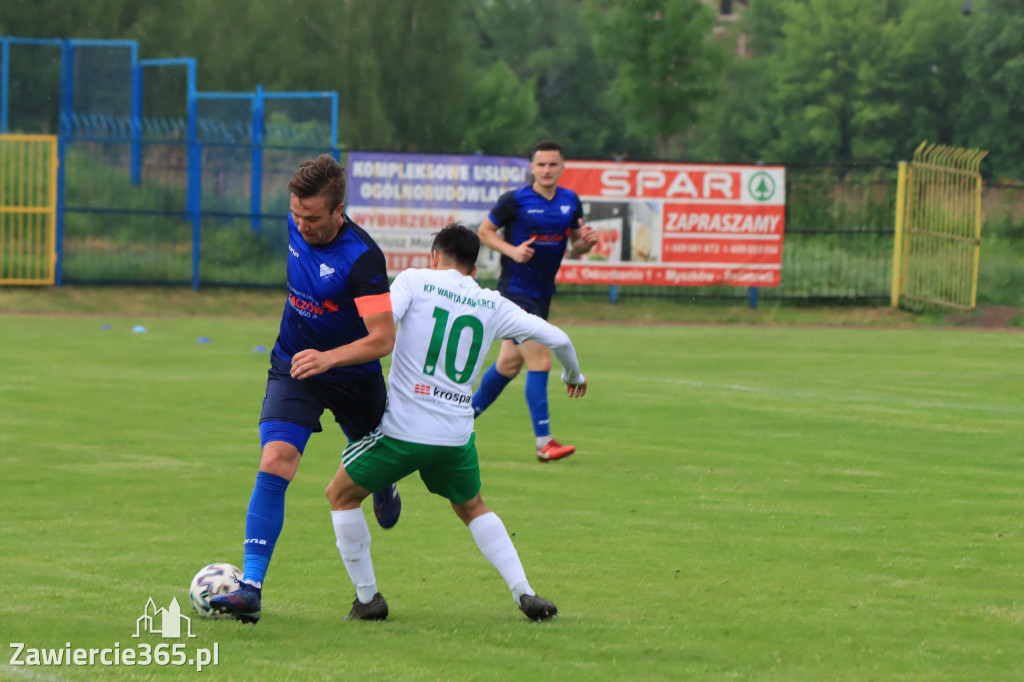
(163,622)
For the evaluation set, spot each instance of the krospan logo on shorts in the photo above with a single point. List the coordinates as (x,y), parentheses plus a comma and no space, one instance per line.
(168,622)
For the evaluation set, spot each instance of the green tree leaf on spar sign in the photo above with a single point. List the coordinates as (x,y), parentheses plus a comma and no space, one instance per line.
(669,62)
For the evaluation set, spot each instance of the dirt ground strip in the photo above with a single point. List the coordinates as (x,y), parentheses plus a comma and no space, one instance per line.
(989,317)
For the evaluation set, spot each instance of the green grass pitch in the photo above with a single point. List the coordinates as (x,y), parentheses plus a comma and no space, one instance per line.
(764,503)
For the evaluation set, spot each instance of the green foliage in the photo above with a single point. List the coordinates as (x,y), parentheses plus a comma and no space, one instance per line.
(281,130)
(502,114)
(819,81)
(667,59)
(990,113)
(848,81)
(838,198)
(141,232)
(547,43)
(830,73)
(235,252)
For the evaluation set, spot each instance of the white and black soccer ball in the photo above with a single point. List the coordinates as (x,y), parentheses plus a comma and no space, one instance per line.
(212,580)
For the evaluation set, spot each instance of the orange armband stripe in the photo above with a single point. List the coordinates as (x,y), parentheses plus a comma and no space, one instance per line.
(371,305)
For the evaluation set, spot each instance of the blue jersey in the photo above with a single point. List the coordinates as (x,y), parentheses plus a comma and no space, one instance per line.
(324,285)
(524,214)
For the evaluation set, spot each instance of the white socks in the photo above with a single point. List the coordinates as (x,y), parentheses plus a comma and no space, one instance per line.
(354,544)
(496,546)
(488,531)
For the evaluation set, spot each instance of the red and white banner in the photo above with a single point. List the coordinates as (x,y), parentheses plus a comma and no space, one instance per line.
(678,224)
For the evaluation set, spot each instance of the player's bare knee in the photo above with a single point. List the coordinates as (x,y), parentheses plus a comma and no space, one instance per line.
(470,509)
(540,365)
(510,372)
(333,493)
(509,366)
(340,496)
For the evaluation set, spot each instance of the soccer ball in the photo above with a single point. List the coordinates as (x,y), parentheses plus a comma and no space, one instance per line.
(212,580)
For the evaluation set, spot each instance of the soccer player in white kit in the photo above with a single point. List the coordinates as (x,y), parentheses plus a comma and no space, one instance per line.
(446,324)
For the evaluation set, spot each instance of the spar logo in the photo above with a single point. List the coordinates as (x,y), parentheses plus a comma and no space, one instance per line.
(761,186)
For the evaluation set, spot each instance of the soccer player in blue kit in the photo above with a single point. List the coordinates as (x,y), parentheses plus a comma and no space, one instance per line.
(539,222)
(337,324)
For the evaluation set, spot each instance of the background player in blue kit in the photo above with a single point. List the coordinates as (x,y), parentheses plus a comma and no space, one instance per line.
(539,221)
(336,325)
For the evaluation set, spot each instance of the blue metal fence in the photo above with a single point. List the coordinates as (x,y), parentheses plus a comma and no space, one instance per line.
(162,189)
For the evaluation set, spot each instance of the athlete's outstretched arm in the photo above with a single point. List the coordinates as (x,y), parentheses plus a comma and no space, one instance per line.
(560,344)
(379,341)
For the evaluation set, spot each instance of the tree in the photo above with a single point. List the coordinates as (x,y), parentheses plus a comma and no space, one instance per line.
(502,113)
(928,61)
(668,62)
(546,43)
(833,82)
(989,114)
(842,81)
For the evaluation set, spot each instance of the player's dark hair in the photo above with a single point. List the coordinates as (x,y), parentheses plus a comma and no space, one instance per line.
(320,176)
(546,146)
(458,244)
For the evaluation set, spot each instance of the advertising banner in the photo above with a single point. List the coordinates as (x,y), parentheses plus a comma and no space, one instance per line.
(403,199)
(678,224)
(657,223)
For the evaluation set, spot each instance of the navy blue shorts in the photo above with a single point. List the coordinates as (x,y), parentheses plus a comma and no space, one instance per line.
(535,306)
(357,405)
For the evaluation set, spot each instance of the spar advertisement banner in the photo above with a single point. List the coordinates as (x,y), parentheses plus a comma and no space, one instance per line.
(678,224)
(403,199)
(658,223)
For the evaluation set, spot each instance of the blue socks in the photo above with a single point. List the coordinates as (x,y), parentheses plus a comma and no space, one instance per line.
(492,384)
(537,401)
(263,525)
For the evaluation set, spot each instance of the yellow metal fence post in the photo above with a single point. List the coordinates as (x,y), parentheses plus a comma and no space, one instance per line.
(897,251)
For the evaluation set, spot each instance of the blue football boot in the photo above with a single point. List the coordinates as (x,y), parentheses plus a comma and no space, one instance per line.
(243,603)
(387,506)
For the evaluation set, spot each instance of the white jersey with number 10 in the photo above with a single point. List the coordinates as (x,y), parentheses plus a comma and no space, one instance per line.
(446,325)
